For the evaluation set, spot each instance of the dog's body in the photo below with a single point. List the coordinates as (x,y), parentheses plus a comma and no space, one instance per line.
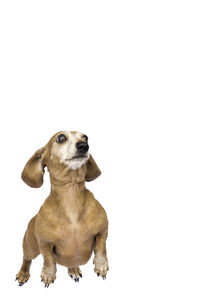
(71,223)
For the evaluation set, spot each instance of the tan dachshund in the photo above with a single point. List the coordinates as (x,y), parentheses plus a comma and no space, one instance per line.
(71,223)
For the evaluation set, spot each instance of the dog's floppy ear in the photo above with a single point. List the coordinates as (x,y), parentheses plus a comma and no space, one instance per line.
(92,170)
(34,169)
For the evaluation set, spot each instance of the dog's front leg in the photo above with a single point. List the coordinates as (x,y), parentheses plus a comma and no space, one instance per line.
(100,258)
(48,274)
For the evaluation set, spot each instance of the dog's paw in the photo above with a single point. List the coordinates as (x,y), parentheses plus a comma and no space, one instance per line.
(47,278)
(75,273)
(22,277)
(101,266)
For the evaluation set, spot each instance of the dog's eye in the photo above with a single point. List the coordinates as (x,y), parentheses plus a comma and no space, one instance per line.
(61,138)
(85,138)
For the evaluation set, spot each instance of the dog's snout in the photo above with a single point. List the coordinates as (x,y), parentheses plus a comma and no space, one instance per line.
(82,147)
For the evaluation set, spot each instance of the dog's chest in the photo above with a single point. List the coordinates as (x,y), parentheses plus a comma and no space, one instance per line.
(74,235)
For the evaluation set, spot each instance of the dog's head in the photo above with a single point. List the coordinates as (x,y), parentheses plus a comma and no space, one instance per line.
(66,149)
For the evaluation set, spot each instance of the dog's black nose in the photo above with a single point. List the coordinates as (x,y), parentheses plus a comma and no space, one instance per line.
(82,147)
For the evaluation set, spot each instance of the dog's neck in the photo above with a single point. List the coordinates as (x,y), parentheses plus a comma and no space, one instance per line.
(68,190)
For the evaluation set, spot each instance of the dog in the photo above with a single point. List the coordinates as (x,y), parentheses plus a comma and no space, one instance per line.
(71,223)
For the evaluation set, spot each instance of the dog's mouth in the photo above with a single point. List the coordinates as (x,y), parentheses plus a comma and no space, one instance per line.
(77,157)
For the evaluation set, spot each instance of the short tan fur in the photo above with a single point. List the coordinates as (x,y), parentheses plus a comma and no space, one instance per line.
(71,223)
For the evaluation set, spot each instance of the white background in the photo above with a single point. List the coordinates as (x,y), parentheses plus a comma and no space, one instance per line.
(127,74)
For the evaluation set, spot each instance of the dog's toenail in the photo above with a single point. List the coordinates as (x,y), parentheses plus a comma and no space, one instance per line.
(21,283)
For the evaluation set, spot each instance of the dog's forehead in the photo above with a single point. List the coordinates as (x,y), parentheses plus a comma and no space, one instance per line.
(73,135)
